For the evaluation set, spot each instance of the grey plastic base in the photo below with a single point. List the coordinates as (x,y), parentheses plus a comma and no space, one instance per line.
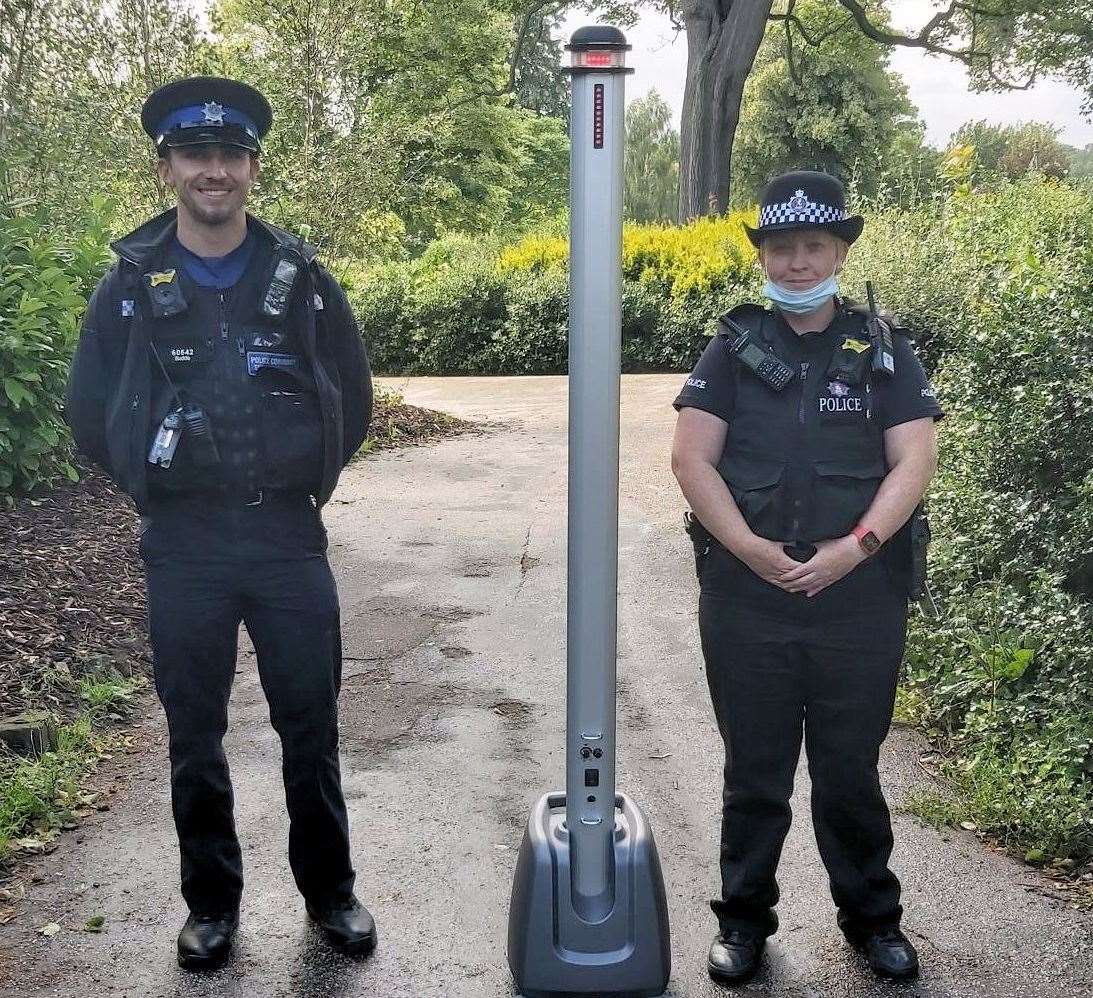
(553,953)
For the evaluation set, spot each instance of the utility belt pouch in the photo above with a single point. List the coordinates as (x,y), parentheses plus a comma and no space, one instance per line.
(283,274)
(701,538)
(164,293)
(920,542)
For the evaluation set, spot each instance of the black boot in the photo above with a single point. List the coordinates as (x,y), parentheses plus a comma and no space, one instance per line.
(734,956)
(348,925)
(205,940)
(889,951)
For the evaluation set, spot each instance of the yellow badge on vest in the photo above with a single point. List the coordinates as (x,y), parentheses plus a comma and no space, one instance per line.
(163,277)
(856,345)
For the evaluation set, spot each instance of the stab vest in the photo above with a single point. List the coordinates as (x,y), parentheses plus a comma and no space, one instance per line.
(247,372)
(805,463)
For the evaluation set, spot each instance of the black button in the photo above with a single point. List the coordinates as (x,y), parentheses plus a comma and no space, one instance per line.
(591,777)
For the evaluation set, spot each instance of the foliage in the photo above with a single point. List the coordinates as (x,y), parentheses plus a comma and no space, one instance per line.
(1011,151)
(72,76)
(539,87)
(38,795)
(651,179)
(383,137)
(42,295)
(834,106)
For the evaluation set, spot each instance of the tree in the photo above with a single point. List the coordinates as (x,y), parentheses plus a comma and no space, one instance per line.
(1006,44)
(394,122)
(538,85)
(1081,161)
(833,106)
(652,161)
(71,80)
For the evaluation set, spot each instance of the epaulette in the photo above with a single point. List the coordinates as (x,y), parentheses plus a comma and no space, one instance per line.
(747,314)
(891,320)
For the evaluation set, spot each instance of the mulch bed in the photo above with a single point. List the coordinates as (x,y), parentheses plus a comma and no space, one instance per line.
(395,424)
(72,598)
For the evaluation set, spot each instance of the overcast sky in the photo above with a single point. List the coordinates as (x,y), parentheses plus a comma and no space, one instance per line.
(937,86)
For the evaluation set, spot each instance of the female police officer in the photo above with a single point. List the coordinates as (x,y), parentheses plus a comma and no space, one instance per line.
(803,461)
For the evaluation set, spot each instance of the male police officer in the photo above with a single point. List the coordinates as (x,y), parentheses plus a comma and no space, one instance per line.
(804,442)
(221,381)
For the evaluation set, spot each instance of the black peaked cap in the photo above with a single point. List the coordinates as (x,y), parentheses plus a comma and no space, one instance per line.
(805,199)
(224,99)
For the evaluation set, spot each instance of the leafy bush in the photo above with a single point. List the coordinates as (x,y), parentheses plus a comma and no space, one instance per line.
(43,292)
(472,307)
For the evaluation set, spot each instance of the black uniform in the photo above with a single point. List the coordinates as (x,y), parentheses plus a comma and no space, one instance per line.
(287,401)
(804,465)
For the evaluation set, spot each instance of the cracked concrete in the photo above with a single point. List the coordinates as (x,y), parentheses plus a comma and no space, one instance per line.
(450,562)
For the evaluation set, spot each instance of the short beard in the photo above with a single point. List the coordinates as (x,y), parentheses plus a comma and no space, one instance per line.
(205,217)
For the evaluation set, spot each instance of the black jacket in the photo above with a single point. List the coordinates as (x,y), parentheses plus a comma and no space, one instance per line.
(109,388)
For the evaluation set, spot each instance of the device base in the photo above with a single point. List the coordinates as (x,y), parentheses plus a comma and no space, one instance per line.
(552,951)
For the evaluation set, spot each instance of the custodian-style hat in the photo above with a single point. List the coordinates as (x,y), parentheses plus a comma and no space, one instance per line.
(204,109)
(805,199)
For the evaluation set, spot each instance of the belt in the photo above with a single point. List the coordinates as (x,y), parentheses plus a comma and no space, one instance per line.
(234,497)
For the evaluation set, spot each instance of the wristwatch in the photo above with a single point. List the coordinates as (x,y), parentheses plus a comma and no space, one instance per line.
(867,540)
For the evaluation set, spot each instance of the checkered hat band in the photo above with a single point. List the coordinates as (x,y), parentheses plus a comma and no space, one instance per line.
(778,214)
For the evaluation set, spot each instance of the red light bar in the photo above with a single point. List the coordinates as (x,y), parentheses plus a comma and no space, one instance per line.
(598,58)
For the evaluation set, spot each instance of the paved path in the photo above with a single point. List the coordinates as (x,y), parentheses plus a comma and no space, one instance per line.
(451,565)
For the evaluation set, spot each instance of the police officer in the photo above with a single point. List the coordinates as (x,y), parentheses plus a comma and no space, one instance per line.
(803,461)
(221,381)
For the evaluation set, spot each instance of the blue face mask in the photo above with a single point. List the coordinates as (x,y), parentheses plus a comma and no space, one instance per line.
(801,302)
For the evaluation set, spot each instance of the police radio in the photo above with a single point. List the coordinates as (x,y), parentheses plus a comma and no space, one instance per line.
(764,365)
(880,338)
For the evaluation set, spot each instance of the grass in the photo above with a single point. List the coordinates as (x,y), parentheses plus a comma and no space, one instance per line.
(38,796)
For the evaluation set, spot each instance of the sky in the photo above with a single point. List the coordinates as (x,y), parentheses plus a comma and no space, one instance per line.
(936,85)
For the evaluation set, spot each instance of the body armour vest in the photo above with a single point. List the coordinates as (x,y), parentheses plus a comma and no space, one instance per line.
(246,372)
(805,463)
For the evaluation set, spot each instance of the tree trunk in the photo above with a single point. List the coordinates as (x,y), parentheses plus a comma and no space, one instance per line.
(723,37)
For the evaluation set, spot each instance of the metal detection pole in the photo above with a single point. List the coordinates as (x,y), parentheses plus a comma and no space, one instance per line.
(588,911)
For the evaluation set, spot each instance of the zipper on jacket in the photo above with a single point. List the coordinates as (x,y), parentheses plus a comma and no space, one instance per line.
(223,319)
(801,404)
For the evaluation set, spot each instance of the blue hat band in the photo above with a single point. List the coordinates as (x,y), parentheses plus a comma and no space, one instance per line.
(207,115)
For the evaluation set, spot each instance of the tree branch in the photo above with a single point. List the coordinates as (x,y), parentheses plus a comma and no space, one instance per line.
(970,56)
(791,64)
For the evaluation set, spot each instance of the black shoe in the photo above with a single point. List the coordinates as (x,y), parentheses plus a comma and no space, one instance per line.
(734,956)
(205,940)
(889,951)
(348,925)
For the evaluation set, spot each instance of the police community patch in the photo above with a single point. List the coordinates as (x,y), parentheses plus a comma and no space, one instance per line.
(256,360)
(850,343)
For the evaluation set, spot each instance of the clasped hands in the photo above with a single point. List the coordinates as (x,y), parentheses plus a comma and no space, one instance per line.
(833,560)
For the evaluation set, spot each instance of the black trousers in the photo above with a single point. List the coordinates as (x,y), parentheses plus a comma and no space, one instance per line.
(209,567)
(780,665)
